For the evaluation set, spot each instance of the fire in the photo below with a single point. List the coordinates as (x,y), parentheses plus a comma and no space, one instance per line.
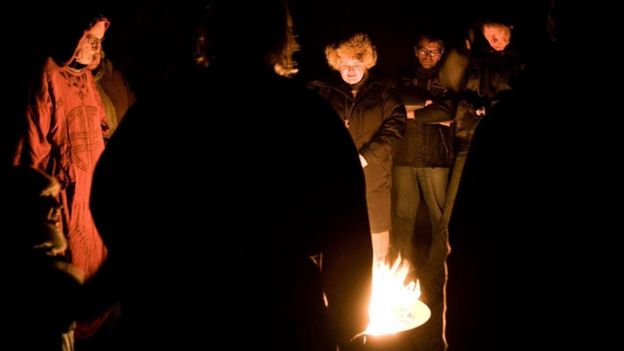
(395,305)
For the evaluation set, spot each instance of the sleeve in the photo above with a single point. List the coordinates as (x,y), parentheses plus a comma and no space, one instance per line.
(439,110)
(319,87)
(34,146)
(388,138)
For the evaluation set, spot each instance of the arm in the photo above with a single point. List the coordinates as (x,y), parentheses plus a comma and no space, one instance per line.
(436,112)
(411,109)
(34,147)
(439,105)
(387,138)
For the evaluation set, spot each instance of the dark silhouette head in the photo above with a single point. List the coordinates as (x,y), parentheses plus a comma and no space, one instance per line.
(30,212)
(259,33)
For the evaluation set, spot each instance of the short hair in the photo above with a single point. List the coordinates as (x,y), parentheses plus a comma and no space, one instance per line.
(359,46)
(432,38)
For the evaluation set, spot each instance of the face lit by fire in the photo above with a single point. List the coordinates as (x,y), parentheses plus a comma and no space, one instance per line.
(351,70)
(429,53)
(498,35)
(91,43)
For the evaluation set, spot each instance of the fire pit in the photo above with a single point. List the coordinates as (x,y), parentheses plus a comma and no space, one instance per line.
(396,336)
(395,309)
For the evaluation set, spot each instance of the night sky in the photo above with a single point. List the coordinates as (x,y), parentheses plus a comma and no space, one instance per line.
(392,25)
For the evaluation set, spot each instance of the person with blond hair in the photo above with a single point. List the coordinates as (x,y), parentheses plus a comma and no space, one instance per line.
(375,118)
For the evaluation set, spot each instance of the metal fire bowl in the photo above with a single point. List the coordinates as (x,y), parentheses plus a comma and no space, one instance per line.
(417,315)
(399,340)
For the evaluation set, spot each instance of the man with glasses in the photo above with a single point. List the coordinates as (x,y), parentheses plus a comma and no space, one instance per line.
(429,57)
(421,169)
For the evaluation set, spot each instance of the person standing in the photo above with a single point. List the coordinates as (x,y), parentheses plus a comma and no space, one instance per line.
(421,170)
(64,136)
(266,245)
(375,118)
(64,130)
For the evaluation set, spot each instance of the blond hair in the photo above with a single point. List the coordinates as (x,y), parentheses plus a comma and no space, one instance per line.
(358,47)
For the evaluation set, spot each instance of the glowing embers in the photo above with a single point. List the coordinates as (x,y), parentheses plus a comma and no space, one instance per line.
(395,306)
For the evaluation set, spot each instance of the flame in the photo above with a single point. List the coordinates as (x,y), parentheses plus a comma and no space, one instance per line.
(395,306)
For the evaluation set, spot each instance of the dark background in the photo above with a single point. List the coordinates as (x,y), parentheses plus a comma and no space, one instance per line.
(144,37)
(394,24)
(147,40)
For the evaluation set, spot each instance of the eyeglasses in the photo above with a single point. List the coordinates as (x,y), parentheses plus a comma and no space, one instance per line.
(430,53)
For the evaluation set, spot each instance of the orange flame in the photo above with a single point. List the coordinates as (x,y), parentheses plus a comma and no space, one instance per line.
(395,305)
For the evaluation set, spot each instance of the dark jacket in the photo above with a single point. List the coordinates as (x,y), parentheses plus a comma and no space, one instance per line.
(426,144)
(375,119)
(490,76)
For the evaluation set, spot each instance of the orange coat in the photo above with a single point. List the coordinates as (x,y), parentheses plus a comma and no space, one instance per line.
(64,139)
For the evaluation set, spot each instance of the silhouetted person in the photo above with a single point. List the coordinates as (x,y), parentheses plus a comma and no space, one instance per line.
(513,258)
(230,254)
(39,286)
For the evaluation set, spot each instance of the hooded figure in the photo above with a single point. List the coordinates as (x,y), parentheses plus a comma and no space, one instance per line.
(63,134)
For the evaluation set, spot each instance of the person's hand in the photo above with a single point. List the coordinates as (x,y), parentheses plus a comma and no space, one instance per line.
(480,111)
(363,161)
